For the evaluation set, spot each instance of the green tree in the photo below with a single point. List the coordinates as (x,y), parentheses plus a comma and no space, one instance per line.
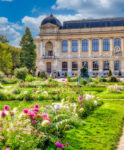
(28,53)
(3,39)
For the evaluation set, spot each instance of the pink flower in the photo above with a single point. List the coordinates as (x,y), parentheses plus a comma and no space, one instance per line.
(44,114)
(2,137)
(79,98)
(25,111)
(46,119)
(59,145)
(34,121)
(31,114)
(39,116)
(7,148)
(6,108)
(3,114)
(67,144)
(81,104)
(36,106)
(36,110)
(0,129)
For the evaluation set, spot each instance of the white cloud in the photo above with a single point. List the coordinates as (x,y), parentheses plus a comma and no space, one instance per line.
(92,8)
(10,30)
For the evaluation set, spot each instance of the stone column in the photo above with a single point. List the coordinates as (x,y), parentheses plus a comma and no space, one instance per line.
(89,47)
(79,66)
(79,47)
(100,67)
(69,67)
(111,65)
(112,46)
(90,67)
(69,48)
(122,45)
(100,46)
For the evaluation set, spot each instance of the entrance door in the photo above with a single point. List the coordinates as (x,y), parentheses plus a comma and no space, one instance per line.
(49,67)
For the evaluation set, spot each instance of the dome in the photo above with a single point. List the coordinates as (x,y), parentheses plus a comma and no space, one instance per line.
(51,19)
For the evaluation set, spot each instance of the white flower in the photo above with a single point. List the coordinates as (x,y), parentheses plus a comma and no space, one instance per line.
(95,102)
(58,106)
(25,92)
(88,97)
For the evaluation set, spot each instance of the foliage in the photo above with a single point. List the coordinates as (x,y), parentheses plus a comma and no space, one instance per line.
(114,89)
(102,79)
(1,75)
(9,58)
(21,73)
(12,80)
(28,53)
(3,39)
(119,74)
(69,78)
(29,78)
(83,81)
(113,79)
(110,73)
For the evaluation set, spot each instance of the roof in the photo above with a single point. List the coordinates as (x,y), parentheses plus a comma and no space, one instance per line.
(93,23)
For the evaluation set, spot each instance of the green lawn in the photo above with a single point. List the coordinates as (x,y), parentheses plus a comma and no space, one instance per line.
(101,130)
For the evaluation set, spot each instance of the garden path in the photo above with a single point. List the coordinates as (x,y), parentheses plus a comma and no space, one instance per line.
(121,143)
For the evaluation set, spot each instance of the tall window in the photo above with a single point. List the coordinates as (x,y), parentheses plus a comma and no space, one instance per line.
(74,66)
(84,45)
(85,64)
(117,42)
(64,46)
(74,45)
(95,45)
(106,65)
(64,66)
(106,44)
(117,65)
(95,66)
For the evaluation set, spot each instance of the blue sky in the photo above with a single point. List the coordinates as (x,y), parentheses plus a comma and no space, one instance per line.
(15,15)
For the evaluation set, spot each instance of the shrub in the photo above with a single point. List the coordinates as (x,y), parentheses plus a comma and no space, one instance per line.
(92,84)
(102,79)
(26,95)
(21,73)
(113,79)
(7,96)
(1,86)
(68,78)
(12,80)
(29,78)
(114,89)
(83,81)
(110,73)
(119,74)
(43,75)
(1,76)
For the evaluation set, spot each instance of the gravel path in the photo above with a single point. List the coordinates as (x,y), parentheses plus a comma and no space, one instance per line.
(121,143)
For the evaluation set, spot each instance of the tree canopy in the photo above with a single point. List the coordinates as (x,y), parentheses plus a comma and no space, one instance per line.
(3,39)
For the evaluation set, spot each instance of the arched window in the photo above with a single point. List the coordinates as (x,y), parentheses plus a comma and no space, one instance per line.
(117,42)
(106,45)
(95,45)
(95,66)
(74,45)
(105,65)
(64,66)
(85,64)
(74,66)
(117,65)
(84,45)
(64,46)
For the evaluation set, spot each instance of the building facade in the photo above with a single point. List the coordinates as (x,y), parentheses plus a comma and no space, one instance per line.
(97,44)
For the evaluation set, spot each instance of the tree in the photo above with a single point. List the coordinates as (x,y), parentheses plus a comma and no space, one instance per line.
(28,53)
(110,73)
(3,39)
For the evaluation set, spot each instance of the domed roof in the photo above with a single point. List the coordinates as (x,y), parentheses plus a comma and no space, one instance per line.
(51,19)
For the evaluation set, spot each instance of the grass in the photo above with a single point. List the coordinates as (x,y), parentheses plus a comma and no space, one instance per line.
(101,130)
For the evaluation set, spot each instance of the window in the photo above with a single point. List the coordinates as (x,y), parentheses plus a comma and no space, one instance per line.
(64,66)
(85,64)
(106,45)
(74,45)
(64,46)
(95,66)
(106,65)
(95,45)
(74,66)
(117,65)
(117,42)
(84,45)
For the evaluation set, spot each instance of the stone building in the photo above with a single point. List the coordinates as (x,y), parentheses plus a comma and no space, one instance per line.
(95,43)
